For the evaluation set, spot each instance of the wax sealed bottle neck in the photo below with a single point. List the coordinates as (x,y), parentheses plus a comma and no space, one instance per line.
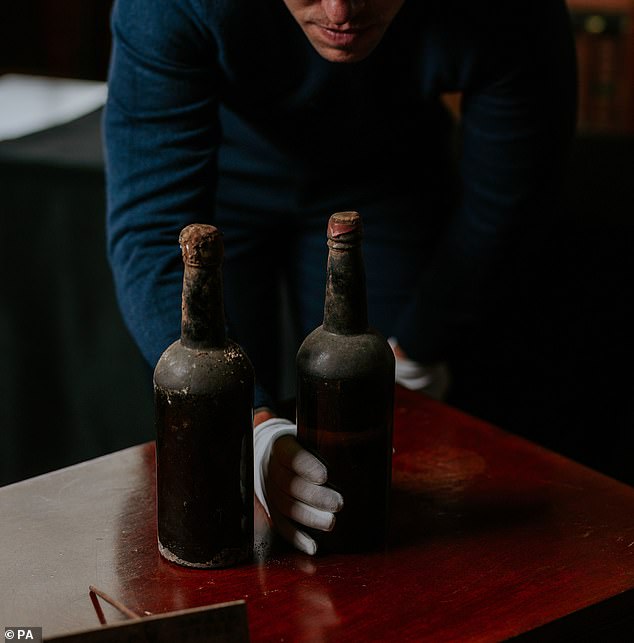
(203,318)
(345,307)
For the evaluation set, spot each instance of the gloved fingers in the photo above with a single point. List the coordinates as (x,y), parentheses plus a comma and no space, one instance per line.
(418,382)
(297,472)
(301,513)
(306,503)
(296,537)
(288,452)
(432,379)
(440,382)
(318,496)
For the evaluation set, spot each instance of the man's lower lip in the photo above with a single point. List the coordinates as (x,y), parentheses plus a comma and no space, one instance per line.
(341,38)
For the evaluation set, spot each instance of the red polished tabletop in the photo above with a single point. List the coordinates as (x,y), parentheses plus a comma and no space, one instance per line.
(491,538)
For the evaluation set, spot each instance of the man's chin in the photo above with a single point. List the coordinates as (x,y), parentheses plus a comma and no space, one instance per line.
(341,55)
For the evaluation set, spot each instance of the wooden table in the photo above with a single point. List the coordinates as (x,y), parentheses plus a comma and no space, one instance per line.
(492,537)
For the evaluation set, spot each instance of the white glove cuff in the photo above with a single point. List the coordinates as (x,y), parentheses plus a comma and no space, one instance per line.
(264,436)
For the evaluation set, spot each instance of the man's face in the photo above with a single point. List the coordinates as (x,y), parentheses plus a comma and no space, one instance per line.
(344,30)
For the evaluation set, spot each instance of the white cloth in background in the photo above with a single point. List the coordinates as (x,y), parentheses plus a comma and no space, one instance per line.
(33,103)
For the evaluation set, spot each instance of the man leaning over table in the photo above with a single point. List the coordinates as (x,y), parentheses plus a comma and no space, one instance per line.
(265,116)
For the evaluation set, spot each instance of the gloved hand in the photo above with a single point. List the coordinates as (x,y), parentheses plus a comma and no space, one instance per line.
(289,482)
(433,379)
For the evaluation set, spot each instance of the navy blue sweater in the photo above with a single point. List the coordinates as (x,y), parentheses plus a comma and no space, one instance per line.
(217,98)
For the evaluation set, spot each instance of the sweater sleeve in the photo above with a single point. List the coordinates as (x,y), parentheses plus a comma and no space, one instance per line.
(517,121)
(161,136)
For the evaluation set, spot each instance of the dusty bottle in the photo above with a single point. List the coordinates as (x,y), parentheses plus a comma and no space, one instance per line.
(345,397)
(203,395)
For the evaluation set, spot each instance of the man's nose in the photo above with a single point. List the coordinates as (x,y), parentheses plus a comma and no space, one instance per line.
(339,12)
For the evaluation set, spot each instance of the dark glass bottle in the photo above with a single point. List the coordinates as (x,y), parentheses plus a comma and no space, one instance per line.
(203,394)
(345,397)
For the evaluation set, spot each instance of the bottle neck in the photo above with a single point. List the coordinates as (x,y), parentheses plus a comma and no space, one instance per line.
(346,306)
(203,316)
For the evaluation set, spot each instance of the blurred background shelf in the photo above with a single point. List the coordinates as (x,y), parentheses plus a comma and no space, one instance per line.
(604,34)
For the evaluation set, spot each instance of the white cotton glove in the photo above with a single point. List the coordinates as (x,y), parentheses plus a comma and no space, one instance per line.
(289,482)
(433,379)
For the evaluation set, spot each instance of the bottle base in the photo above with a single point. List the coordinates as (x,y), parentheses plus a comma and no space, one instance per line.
(224,558)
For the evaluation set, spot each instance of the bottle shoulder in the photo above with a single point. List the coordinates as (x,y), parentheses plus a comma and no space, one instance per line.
(201,371)
(326,354)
